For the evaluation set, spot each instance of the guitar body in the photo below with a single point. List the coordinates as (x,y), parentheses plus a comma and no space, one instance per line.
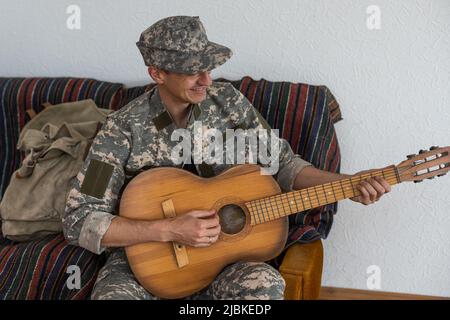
(156,264)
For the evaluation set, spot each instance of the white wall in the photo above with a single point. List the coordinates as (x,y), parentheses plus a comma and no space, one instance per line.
(392,84)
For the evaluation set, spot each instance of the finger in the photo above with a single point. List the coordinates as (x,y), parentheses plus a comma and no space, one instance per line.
(201,241)
(212,232)
(370,190)
(208,240)
(202,213)
(201,245)
(365,194)
(384,183)
(212,222)
(213,239)
(364,198)
(377,186)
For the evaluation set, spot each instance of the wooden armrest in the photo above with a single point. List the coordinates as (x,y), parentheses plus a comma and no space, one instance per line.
(302,270)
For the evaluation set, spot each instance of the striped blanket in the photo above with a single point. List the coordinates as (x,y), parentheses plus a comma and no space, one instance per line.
(39,269)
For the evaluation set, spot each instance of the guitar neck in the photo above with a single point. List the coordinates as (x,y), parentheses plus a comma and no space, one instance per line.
(281,205)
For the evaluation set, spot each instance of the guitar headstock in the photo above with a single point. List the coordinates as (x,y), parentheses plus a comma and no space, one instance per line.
(425,165)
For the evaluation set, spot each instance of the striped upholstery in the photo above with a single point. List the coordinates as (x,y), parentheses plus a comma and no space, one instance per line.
(20,94)
(304,114)
(132,93)
(38,269)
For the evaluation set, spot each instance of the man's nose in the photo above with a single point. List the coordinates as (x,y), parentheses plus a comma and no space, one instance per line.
(205,78)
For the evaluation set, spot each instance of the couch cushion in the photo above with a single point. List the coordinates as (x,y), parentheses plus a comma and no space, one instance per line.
(20,94)
(38,269)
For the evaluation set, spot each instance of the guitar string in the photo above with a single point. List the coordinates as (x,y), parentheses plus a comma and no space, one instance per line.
(283,203)
(280,200)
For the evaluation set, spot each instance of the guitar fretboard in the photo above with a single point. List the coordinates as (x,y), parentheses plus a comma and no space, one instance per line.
(281,205)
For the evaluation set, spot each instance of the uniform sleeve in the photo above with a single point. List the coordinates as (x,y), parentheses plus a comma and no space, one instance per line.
(93,195)
(289,164)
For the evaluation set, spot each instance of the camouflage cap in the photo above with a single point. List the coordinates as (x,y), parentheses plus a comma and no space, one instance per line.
(179,44)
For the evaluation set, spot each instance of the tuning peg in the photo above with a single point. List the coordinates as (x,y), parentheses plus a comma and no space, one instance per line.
(441,175)
(417,181)
(409,156)
(434,147)
(421,151)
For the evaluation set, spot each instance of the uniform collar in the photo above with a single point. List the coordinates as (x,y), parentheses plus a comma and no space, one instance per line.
(163,118)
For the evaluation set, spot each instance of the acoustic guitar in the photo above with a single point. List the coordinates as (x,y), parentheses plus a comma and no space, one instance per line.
(253,216)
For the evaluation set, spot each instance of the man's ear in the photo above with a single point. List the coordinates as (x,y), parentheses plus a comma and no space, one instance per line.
(158,75)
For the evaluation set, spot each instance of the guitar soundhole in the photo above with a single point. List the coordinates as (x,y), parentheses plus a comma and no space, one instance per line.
(232,219)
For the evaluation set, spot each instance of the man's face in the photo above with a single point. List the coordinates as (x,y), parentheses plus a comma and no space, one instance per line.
(187,88)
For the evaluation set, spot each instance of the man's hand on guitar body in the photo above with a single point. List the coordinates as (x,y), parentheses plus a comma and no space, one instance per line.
(196,228)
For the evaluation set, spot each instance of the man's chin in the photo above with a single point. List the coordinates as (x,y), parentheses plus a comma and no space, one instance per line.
(198,99)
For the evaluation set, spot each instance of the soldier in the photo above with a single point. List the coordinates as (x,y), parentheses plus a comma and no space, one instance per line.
(179,57)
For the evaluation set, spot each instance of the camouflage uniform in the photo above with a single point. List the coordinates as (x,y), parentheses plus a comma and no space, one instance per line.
(238,281)
(138,137)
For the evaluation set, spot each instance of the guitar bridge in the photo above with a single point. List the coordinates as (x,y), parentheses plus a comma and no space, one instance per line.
(179,249)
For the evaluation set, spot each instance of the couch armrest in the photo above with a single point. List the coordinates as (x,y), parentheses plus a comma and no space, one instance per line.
(302,270)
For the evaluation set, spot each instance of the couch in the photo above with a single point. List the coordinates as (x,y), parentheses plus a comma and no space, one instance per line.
(305,115)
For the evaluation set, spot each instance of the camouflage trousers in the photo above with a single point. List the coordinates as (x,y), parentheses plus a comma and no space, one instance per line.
(238,281)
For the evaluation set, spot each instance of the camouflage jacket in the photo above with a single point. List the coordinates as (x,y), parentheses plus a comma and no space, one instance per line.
(138,137)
